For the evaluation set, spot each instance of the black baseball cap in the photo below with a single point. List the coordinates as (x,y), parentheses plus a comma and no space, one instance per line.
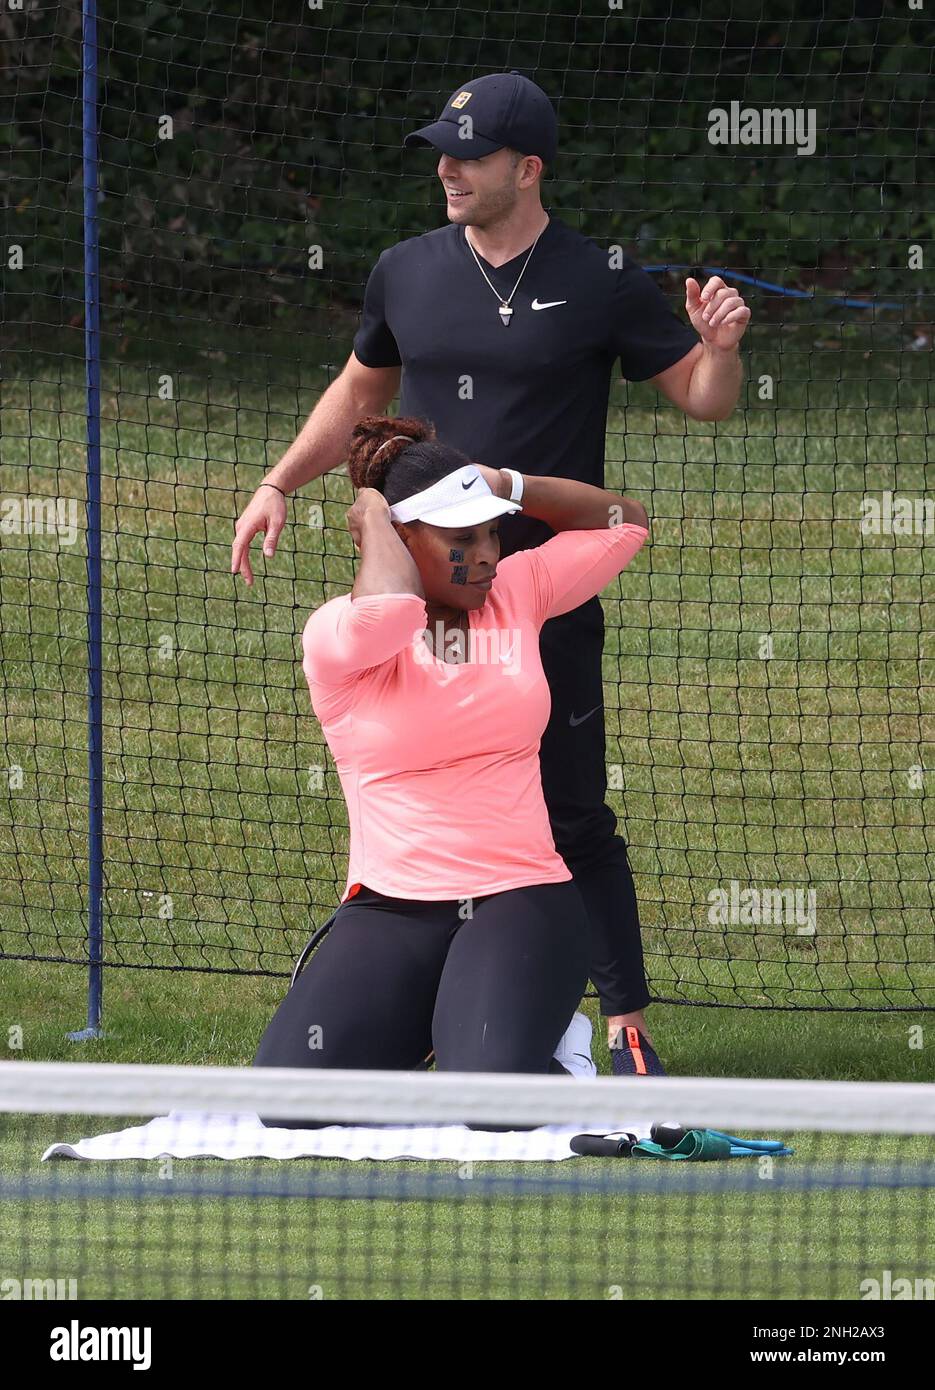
(505,108)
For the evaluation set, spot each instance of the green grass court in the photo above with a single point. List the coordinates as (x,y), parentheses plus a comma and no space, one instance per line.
(582,1244)
(578,1244)
(787,770)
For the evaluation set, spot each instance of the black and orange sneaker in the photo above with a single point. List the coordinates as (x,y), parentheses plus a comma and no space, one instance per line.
(631,1054)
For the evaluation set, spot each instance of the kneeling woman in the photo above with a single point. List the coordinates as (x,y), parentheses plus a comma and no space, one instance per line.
(460,930)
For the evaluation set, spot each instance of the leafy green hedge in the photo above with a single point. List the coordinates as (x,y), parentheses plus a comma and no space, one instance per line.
(288,125)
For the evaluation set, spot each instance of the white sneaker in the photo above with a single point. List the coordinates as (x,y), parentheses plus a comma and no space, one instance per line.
(574,1048)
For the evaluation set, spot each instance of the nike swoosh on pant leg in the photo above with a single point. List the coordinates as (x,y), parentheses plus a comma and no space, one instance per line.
(574,722)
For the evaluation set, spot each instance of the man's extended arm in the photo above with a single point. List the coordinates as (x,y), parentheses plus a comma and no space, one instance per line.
(321,445)
(706,382)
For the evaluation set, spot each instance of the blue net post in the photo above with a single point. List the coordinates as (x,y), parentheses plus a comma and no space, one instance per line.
(92,343)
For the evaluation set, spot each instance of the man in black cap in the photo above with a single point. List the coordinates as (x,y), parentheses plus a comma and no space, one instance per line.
(505,339)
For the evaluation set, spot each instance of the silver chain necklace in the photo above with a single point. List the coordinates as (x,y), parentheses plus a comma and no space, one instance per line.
(505,312)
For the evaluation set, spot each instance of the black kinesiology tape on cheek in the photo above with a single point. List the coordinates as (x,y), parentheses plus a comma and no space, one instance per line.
(459,574)
(456,556)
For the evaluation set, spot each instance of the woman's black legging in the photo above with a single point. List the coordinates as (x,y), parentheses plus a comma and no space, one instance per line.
(488,984)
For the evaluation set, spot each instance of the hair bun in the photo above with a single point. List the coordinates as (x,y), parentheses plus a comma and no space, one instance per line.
(377,441)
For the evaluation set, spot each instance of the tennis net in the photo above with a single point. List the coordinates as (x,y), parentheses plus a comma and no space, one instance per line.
(482,1209)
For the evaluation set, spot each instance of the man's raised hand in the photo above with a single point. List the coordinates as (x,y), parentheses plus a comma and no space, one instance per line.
(718,313)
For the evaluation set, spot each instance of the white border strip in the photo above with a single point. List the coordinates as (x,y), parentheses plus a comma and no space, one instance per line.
(392,1097)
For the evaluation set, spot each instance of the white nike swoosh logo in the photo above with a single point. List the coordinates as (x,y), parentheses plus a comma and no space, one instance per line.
(506,656)
(551,304)
(574,721)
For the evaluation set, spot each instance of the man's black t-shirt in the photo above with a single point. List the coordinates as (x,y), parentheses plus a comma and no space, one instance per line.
(531,396)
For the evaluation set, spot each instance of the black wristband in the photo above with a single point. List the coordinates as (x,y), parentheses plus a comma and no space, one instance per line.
(278,489)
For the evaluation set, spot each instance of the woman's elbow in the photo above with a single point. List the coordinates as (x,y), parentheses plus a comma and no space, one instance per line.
(634,513)
(320,663)
(312,672)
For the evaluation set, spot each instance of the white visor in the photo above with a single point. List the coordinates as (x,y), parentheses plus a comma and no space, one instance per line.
(461,498)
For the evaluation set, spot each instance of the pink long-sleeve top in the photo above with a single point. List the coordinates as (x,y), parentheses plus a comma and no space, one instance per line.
(439,761)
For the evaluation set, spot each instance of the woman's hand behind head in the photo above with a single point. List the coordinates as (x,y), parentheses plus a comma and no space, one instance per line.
(367,502)
(498,482)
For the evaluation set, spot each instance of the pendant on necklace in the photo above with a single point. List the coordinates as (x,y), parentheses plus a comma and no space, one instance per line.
(505,314)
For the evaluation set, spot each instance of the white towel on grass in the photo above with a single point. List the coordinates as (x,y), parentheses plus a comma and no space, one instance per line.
(199,1134)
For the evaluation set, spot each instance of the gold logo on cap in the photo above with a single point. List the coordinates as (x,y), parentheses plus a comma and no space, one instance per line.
(461,99)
